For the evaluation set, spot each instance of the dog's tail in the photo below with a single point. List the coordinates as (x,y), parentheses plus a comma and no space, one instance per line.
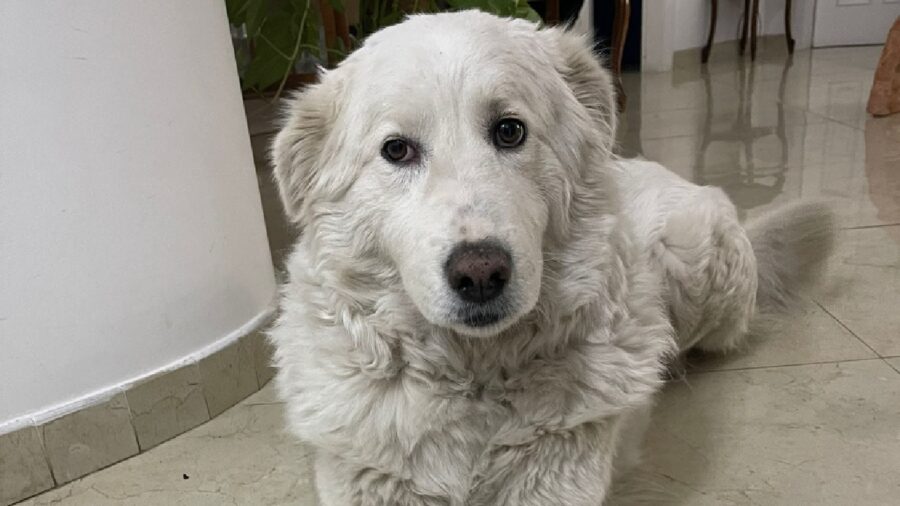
(791,245)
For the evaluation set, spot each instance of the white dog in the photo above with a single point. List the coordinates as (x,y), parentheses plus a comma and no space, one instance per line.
(484,300)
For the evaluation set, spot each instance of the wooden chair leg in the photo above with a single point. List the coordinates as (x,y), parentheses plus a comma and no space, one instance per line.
(787,26)
(754,19)
(343,30)
(620,32)
(328,26)
(745,25)
(551,15)
(704,55)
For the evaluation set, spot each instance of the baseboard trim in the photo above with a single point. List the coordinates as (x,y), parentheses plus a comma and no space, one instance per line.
(79,437)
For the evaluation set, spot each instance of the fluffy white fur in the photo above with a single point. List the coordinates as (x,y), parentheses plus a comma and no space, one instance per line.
(618,266)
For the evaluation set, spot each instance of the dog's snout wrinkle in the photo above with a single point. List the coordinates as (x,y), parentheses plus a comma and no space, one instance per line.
(478,272)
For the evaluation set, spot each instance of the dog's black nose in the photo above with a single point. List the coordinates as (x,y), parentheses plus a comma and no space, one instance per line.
(478,271)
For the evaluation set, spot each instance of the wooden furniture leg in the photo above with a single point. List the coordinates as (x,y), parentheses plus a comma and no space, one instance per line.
(343,30)
(328,26)
(754,19)
(704,55)
(745,25)
(787,26)
(620,31)
(551,15)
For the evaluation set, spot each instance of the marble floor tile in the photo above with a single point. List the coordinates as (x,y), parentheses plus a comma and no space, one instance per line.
(667,91)
(770,140)
(824,434)
(241,457)
(895,363)
(861,195)
(808,335)
(818,64)
(864,286)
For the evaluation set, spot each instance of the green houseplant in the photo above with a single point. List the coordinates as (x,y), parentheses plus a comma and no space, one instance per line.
(273,36)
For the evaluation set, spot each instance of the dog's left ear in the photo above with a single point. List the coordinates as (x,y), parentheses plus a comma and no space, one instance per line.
(589,81)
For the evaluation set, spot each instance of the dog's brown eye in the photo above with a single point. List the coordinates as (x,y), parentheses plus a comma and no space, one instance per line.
(509,133)
(398,151)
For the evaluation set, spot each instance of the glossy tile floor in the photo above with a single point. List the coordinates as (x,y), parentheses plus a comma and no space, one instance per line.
(808,414)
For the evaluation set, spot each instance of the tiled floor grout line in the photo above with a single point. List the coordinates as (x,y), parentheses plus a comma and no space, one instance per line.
(864,227)
(829,119)
(891,366)
(779,366)
(671,137)
(835,318)
(660,111)
(825,119)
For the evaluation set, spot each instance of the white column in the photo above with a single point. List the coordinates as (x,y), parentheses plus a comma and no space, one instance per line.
(131,231)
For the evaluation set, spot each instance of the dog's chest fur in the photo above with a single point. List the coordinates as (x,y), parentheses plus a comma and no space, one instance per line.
(392,395)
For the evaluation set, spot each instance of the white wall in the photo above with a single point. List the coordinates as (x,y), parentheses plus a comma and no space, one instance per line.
(692,21)
(803,13)
(131,231)
(658,28)
(675,25)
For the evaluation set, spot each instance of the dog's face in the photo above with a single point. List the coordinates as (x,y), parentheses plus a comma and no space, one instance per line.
(450,144)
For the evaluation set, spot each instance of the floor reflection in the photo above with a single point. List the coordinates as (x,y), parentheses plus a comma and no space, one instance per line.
(752,183)
(883,169)
(883,164)
(772,131)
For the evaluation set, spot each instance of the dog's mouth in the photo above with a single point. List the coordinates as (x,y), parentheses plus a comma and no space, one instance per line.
(480,319)
(483,319)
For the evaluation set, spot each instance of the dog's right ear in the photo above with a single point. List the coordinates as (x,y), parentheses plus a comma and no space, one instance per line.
(299,147)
